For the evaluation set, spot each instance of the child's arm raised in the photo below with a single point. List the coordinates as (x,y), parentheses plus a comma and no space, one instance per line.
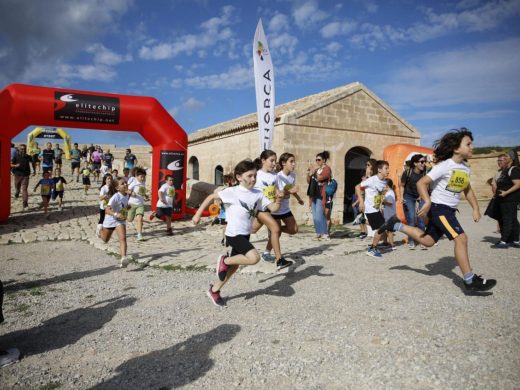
(209,199)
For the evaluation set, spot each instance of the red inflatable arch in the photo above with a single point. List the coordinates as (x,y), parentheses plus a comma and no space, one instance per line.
(25,105)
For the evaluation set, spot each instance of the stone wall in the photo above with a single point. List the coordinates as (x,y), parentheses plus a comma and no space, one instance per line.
(483,167)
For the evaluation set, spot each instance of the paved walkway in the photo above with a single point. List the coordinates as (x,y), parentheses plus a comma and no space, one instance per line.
(191,247)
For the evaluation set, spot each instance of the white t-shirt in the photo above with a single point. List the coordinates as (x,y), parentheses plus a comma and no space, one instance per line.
(138,192)
(118,204)
(103,191)
(241,207)
(169,195)
(104,169)
(373,187)
(389,209)
(449,180)
(265,182)
(285,183)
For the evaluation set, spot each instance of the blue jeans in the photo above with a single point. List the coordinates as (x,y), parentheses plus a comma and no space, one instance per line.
(318,216)
(409,211)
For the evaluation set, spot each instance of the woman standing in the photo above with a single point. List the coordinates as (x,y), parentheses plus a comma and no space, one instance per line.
(318,179)
(508,193)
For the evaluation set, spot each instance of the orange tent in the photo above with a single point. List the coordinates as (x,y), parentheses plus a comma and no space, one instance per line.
(397,155)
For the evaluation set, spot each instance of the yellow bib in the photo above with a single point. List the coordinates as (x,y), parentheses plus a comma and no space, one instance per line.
(270,192)
(458,182)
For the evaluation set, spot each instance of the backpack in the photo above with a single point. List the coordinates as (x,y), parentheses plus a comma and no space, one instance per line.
(331,188)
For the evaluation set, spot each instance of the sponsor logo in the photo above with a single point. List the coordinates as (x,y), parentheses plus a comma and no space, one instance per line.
(86,108)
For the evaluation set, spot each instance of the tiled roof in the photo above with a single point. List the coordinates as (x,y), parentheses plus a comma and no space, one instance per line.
(306,103)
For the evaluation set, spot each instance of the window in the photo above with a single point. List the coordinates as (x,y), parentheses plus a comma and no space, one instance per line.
(193,168)
(219,175)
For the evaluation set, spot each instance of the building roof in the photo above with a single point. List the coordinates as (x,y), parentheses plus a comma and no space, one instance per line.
(294,108)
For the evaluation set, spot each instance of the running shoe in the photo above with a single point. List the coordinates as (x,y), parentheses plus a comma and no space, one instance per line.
(98,230)
(140,237)
(479,284)
(423,248)
(125,260)
(500,245)
(267,257)
(169,231)
(283,263)
(222,268)
(374,252)
(389,225)
(325,237)
(411,245)
(215,297)
(515,244)
(9,357)
(151,216)
(362,236)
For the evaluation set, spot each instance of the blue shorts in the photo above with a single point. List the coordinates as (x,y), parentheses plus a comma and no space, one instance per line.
(55,194)
(442,221)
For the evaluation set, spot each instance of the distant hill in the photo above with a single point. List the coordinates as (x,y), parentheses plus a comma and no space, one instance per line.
(494,149)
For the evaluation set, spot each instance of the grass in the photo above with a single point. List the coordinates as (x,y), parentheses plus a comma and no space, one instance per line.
(50,386)
(35,291)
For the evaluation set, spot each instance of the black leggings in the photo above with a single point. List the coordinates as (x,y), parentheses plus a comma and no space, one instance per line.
(509,226)
(101,216)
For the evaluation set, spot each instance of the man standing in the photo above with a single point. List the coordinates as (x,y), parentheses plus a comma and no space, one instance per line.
(58,155)
(21,165)
(130,159)
(75,160)
(47,158)
(108,158)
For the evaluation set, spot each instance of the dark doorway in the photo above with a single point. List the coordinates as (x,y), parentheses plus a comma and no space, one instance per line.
(355,162)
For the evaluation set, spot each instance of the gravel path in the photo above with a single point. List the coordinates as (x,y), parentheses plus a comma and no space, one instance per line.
(331,322)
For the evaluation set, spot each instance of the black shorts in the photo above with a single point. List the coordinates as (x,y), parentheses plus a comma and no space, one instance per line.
(57,160)
(375,220)
(86,181)
(75,164)
(282,216)
(55,194)
(442,221)
(35,158)
(240,244)
(47,169)
(164,212)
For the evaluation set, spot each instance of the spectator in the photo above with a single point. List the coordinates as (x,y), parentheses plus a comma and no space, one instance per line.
(317,179)
(47,158)
(58,155)
(75,163)
(21,167)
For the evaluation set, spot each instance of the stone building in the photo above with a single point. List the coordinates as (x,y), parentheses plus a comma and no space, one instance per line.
(351,122)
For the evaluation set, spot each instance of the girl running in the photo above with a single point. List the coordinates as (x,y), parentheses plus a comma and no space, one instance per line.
(447,180)
(265,182)
(242,202)
(106,191)
(137,191)
(285,180)
(115,219)
(46,186)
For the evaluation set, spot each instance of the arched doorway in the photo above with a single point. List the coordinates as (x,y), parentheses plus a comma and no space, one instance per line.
(24,105)
(193,168)
(219,175)
(355,163)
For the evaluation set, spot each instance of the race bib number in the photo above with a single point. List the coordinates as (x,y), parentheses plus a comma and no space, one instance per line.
(171,192)
(59,186)
(142,191)
(270,192)
(377,201)
(46,189)
(123,213)
(458,182)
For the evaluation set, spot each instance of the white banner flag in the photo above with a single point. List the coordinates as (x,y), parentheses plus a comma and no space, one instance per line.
(264,86)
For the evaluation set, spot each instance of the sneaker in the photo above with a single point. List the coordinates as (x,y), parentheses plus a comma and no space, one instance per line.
(515,244)
(393,248)
(140,237)
(500,245)
(282,263)
(325,237)
(423,248)
(222,268)
(389,225)
(411,245)
(374,252)
(98,230)
(362,236)
(9,357)
(479,284)
(151,216)
(169,232)
(267,257)
(215,297)
(125,260)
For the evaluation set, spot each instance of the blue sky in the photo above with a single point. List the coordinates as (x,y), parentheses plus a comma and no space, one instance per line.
(440,64)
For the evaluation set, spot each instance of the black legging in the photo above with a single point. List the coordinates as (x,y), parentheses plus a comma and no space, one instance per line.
(101,216)
(509,226)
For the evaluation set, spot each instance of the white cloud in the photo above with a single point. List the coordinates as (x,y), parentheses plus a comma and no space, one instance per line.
(283,44)
(191,104)
(236,77)
(333,48)
(105,56)
(278,22)
(337,28)
(483,73)
(215,35)
(307,13)
(57,30)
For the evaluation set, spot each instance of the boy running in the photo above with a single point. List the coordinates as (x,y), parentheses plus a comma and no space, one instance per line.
(59,188)
(46,186)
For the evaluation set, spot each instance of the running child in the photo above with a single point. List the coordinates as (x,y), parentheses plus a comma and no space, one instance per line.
(46,185)
(359,217)
(265,182)
(165,202)
(447,180)
(85,178)
(371,205)
(285,183)
(115,219)
(59,188)
(389,210)
(242,202)
(106,191)
(137,191)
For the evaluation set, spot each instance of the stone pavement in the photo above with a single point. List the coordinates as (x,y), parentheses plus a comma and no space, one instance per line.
(191,247)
